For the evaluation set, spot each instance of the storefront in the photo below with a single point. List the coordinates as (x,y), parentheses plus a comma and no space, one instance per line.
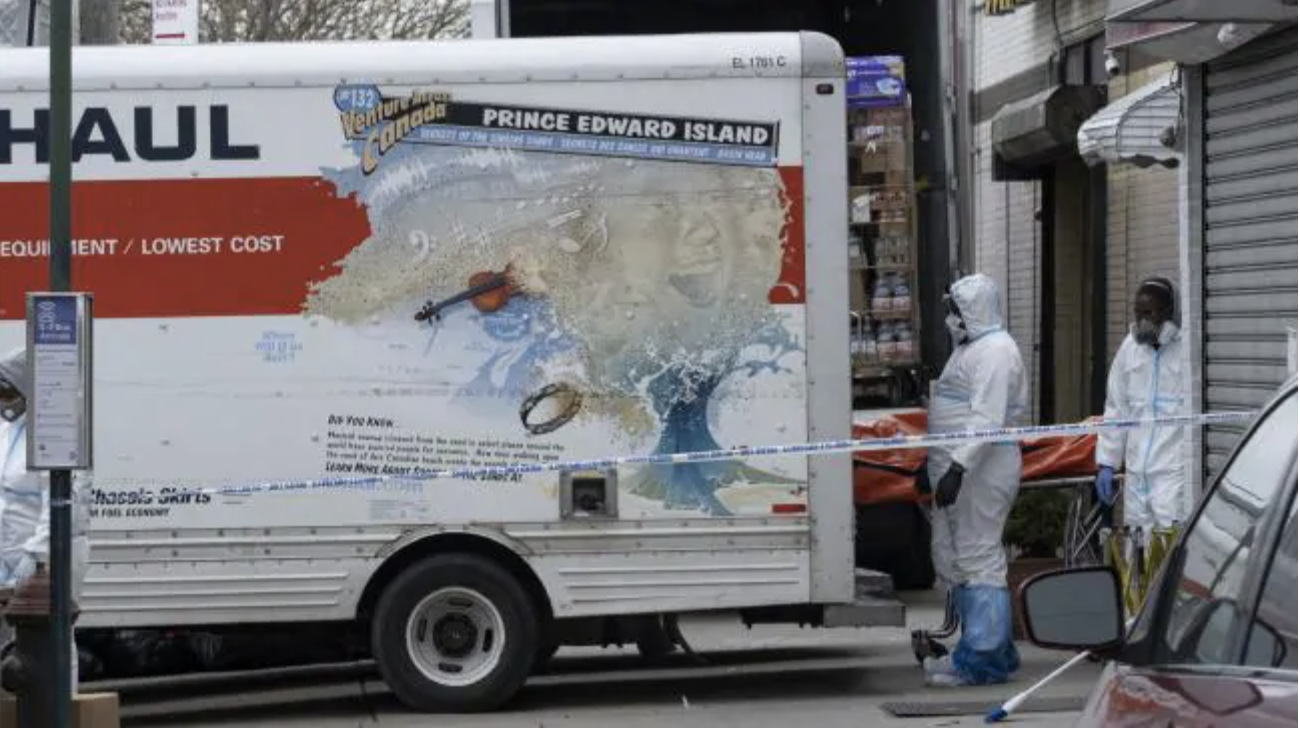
(1236,127)
(1054,213)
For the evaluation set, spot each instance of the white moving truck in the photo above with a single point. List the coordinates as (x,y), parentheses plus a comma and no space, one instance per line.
(375,259)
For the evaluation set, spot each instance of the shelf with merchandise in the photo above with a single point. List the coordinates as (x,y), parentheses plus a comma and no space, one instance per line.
(885,331)
(870,205)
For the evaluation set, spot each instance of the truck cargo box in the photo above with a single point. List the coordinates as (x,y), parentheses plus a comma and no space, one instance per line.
(365,261)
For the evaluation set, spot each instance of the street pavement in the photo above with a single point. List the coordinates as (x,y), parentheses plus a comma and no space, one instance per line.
(770,676)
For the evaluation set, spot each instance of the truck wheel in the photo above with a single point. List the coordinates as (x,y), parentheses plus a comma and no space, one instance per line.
(455,633)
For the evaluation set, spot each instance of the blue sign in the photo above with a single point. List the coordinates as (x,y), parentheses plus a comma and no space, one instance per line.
(875,81)
(58,407)
(357,98)
(56,320)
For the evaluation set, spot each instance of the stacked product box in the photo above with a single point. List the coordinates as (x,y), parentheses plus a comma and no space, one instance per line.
(882,217)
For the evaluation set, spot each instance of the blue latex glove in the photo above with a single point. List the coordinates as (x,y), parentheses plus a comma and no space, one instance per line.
(1105,485)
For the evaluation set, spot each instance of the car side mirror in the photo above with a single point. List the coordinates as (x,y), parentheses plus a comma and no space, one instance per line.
(1205,637)
(1077,609)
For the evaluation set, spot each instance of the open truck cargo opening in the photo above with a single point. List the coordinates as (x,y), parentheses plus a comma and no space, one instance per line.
(367,260)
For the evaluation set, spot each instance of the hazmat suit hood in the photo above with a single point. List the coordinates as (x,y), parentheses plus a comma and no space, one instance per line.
(1165,286)
(13,369)
(981,307)
(1171,329)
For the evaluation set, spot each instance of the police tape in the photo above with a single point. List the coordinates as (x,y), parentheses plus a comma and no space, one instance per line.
(812,448)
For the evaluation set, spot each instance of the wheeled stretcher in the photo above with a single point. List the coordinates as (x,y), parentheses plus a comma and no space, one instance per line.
(1090,534)
(885,477)
(1091,538)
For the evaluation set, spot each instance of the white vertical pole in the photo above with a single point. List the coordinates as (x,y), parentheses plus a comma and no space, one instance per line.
(489,19)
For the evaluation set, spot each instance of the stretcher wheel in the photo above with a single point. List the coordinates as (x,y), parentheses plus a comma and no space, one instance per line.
(923,647)
(937,650)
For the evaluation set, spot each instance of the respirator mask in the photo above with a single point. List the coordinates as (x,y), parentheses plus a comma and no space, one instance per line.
(1148,333)
(954,322)
(1153,310)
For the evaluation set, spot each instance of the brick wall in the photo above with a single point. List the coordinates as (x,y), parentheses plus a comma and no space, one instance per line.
(1142,228)
(1005,45)
(1006,230)
(1006,235)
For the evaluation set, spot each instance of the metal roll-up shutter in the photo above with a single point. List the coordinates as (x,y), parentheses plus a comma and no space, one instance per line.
(1250,228)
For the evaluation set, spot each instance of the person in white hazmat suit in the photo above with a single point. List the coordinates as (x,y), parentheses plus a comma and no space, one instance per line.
(1146,381)
(25,499)
(982,386)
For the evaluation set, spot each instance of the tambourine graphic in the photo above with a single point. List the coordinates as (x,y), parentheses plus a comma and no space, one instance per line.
(570,401)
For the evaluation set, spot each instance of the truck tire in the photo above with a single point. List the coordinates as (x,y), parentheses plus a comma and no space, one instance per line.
(455,633)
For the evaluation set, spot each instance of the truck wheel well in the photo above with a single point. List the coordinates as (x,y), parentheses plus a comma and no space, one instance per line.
(453,543)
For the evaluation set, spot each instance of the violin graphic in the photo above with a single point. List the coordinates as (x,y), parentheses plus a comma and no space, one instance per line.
(488,291)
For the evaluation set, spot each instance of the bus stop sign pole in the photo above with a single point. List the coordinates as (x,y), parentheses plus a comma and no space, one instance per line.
(60,140)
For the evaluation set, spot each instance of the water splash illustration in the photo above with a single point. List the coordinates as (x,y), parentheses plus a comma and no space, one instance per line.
(681,396)
(510,373)
(664,312)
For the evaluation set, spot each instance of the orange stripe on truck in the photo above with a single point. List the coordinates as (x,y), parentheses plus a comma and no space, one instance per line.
(790,286)
(224,247)
(183,248)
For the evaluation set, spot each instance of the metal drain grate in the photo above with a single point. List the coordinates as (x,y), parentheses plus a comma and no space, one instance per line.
(957,708)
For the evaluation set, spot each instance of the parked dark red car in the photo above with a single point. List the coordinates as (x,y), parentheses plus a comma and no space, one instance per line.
(1215,644)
